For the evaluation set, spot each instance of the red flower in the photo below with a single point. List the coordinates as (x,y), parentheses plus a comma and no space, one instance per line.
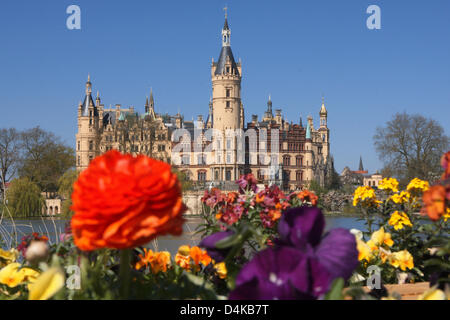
(121,201)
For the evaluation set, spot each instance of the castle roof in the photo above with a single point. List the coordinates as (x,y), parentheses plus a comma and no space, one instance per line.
(85,106)
(225,53)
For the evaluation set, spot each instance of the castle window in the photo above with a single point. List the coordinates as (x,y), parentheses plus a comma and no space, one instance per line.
(299,176)
(201,159)
(201,175)
(299,161)
(185,160)
(79,160)
(228,93)
(260,175)
(228,104)
(79,146)
(228,175)
(287,160)
(91,145)
(228,69)
(216,175)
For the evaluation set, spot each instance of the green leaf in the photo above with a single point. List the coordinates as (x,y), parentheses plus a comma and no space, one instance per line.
(336,291)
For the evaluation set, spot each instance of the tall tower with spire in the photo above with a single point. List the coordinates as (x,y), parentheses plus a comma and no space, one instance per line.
(88,123)
(227,107)
(226,77)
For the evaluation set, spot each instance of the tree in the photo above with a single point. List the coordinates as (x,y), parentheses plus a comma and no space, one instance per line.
(45,158)
(411,146)
(24,198)
(65,189)
(10,144)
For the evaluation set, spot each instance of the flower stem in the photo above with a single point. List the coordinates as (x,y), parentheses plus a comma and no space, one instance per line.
(125,274)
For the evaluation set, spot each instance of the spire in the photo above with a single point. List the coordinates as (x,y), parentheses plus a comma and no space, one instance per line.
(323,110)
(152,100)
(361,167)
(209,121)
(88,86)
(226,32)
(308,131)
(225,26)
(301,121)
(151,105)
(146,105)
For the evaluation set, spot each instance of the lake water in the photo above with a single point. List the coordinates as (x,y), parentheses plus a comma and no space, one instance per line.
(53,228)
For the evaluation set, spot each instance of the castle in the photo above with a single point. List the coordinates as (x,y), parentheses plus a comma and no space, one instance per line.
(216,151)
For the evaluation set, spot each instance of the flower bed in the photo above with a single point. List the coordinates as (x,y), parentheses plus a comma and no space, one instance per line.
(256,243)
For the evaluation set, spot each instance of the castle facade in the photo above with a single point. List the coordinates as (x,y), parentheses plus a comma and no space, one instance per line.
(218,150)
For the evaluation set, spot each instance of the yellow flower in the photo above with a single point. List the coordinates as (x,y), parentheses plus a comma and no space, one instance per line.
(399,219)
(184,250)
(400,198)
(385,255)
(380,238)
(47,285)
(433,294)
(418,186)
(365,196)
(403,260)
(10,276)
(389,184)
(221,270)
(9,256)
(364,250)
(446,215)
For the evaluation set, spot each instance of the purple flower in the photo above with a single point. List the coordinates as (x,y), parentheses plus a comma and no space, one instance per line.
(209,243)
(282,273)
(303,227)
(303,264)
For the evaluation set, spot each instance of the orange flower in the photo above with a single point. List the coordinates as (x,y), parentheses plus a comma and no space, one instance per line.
(259,199)
(274,215)
(231,197)
(160,262)
(308,196)
(183,261)
(445,162)
(434,201)
(200,256)
(121,201)
(144,259)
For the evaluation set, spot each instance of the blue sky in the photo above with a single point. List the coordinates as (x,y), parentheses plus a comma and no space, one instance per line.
(294,50)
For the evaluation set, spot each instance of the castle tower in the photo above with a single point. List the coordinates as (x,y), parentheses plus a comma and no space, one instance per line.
(226,86)
(324,131)
(268,115)
(309,174)
(150,106)
(88,125)
(227,109)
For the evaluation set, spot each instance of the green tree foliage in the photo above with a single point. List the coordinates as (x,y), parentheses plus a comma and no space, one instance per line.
(45,158)
(24,198)
(10,144)
(65,189)
(411,146)
(186,184)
